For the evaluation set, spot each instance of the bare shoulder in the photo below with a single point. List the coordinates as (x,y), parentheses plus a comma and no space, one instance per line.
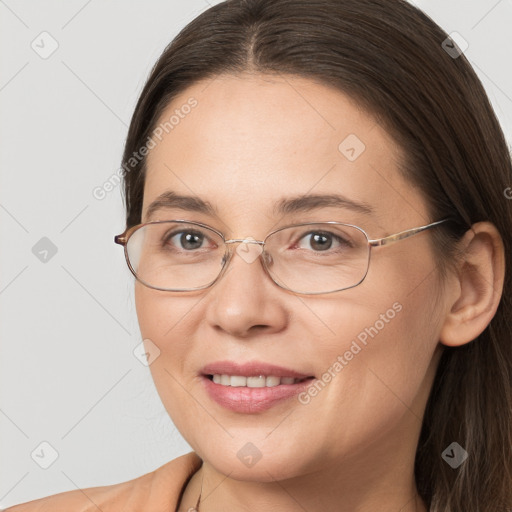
(158,489)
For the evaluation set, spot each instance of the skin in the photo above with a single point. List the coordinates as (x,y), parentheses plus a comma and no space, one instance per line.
(251,141)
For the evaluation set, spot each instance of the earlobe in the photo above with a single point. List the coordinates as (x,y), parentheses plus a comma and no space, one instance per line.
(478,286)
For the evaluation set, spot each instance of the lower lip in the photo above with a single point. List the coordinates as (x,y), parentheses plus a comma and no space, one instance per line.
(252,400)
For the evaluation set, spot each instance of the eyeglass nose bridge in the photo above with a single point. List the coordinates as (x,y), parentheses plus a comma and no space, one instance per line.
(245,241)
(266,258)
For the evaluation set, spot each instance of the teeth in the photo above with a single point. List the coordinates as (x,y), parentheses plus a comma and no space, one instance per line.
(255,382)
(235,381)
(260,381)
(274,381)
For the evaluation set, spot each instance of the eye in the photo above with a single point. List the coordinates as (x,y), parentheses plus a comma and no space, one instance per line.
(188,240)
(321,241)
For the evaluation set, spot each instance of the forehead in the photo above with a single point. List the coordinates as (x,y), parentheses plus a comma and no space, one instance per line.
(243,143)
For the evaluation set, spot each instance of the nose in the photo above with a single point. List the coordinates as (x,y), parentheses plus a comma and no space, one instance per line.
(245,300)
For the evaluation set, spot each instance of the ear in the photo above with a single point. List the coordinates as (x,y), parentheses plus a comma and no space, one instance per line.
(477,289)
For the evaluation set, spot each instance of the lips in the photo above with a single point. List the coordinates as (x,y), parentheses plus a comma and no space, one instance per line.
(249,398)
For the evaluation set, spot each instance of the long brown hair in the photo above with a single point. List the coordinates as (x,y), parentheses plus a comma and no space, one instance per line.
(390,58)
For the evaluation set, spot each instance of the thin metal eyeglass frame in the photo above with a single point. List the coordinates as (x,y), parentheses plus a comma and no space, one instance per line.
(123,238)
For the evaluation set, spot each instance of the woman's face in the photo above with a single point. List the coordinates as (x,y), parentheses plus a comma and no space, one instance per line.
(249,143)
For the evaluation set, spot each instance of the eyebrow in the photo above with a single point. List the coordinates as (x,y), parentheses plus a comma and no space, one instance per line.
(285,206)
(171,199)
(311,202)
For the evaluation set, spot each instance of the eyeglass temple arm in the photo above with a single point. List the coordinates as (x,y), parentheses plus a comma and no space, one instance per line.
(403,234)
(120,239)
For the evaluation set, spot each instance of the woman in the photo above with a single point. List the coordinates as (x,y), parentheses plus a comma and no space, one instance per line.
(316,205)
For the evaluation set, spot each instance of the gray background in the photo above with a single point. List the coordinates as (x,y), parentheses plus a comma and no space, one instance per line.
(68,323)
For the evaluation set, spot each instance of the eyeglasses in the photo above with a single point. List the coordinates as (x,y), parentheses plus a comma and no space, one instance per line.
(309,258)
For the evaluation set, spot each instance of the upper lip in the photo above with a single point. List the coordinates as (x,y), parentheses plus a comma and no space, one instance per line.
(250,369)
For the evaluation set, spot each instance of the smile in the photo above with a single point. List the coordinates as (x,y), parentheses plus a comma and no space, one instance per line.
(259,381)
(251,395)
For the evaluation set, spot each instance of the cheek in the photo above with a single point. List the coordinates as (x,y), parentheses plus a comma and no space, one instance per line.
(167,321)
(163,320)
(378,363)
(164,317)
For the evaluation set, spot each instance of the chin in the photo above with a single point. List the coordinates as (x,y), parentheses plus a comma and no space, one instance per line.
(245,461)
